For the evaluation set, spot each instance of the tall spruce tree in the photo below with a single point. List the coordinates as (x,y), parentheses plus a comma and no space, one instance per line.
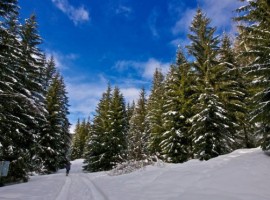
(49,72)
(233,91)
(96,149)
(117,145)
(154,113)
(55,140)
(176,146)
(255,35)
(25,112)
(76,142)
(65,141)
(137,137)
(14,138)
(107,142)
(33,63)
(211,126)
(130,110)
(82,131)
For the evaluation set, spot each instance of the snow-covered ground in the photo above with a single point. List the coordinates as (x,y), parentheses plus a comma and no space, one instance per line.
(241,175)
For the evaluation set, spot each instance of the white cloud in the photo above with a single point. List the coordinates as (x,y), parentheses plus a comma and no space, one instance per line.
(123,10)
(62,61)
(131,93)
(146,69)
(179,42)
(182,25)
(85,96)
(151,65)
(77,15)
(220,12)
(152,20)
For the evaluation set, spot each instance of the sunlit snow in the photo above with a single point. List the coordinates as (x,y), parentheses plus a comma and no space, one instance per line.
(241,175)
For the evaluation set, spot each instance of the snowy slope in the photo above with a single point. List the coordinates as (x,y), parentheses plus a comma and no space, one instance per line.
(241,175)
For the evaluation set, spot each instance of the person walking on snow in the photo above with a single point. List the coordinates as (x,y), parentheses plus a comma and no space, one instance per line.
(67,167)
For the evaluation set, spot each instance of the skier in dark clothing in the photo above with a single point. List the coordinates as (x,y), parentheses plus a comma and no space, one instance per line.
(67,167)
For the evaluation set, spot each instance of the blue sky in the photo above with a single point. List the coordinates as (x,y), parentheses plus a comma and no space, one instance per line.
(118,41)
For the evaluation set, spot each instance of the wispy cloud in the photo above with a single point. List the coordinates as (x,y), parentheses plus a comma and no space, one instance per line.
(152,20)
(123,10)
(62,61)
(179,42)
(130,93)
(84,95)
(184,21)
(77,15)
(151,65)
(220,12)
(146,69)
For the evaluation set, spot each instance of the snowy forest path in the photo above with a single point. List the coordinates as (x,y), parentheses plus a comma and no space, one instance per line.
(79,185)
(58,186)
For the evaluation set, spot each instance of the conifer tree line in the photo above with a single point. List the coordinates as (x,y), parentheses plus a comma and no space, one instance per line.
(214,99)
(34,128)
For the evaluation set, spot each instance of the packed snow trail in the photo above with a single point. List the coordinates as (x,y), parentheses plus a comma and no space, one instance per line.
(241,175)
(78,185)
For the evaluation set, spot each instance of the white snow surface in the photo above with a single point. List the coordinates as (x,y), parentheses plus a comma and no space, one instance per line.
(241,175)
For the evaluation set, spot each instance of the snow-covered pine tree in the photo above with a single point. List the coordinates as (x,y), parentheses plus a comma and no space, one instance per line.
(137,137)
(82,130)
(33,63)
(65,141)
(47,141)
(40,148)
(55,140)
(26,103)
(48,73)
(255,35)
(176,145)
(14,142)
(75,147)
(211,126)
(107,143)
(154,113)
(233,91)
(96,149)
(117,137)
(89,130)
(8,7)
(130,109)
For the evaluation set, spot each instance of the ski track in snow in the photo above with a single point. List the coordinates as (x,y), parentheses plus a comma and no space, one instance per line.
(64,194)
(98,193)
(79,185)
